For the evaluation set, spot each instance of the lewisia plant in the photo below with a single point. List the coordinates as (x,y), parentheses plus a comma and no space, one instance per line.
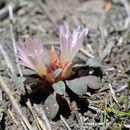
(48,65)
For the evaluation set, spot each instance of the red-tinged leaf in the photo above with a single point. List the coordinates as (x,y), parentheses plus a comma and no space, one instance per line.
(59,87)
(79,85)
(54,56)
(67,70)
(50,77)
(51,107)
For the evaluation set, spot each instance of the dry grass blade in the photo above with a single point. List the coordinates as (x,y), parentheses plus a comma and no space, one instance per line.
(94,124)
(40,127)
(11,113)
(113,93)
(4,11)
(122,88)
(126,5)
(10,8)
(127,126)
(43,115)
(1,114)
(41,123)
(44,9)
(79,118)
(95,109)
(14,103)
(67,126)
(86,53)
(8,62)
(109,125)
(107,51)
(24,126)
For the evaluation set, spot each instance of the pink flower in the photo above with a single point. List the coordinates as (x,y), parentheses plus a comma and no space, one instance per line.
(70,42)
(34,56)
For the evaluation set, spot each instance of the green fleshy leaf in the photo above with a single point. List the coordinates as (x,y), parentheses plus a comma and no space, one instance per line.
(59,87)
(57,72)
(51,106)
(80,85)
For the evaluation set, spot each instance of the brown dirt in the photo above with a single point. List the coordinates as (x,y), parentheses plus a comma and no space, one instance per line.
(105,29)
